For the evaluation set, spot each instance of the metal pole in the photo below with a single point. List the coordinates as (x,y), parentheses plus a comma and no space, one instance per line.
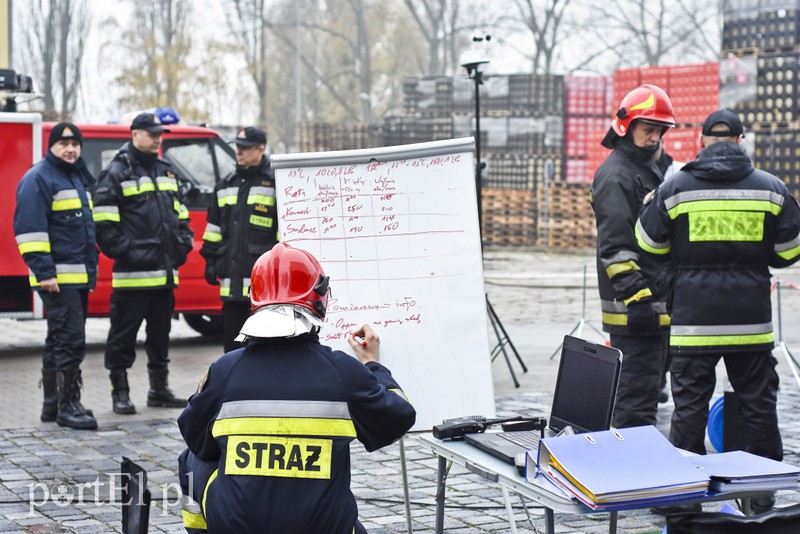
(478,188)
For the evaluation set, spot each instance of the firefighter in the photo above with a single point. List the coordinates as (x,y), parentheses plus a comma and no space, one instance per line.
(633,287)
(241,226)
(723,223)
(56,237)
(269,429)
(143,226)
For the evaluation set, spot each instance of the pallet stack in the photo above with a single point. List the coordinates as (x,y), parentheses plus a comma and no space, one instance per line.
(588,118)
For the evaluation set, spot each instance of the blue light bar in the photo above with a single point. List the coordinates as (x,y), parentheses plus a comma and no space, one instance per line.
(167,115)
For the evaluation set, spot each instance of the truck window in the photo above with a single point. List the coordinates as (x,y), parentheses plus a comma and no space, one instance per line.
(200,164)
(98,153)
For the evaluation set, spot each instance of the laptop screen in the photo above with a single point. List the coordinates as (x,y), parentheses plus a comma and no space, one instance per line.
(586,387)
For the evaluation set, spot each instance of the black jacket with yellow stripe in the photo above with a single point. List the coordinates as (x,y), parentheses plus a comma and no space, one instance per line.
(241,226)
(278,416)
(722,223)
(624,274)
(53,223)
(141,222)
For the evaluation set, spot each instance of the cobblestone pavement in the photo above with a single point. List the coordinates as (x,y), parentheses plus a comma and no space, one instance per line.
(538,297)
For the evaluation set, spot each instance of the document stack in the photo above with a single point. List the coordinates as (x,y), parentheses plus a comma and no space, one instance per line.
(742,471)
(618,469)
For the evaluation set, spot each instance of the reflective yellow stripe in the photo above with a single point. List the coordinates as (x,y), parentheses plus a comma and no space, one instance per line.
(181,210)
(101,216)
(139,282)
(716,341)
(208,484)
(145,187)
(63,278)
(724,205)
(790,254)
(616,268)
(191,520)
(295,426)
(34,246)
(171,185)
(212,237)
(642,293)
(229,200)
(647,247)
(261,199)
(258,220)
(67,204)
(224,291)
(621,319)
(726,226)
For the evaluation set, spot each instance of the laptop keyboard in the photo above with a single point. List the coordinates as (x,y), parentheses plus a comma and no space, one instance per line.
(529,439)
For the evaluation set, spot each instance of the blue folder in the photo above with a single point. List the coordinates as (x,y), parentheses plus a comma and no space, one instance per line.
(627,465)
(738,470)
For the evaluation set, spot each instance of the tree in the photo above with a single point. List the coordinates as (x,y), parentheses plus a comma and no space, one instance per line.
(247,22)
(650,32)
(53,42)
(157,39)
(543,20)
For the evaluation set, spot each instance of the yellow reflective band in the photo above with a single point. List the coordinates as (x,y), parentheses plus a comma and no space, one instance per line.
(105,216)
(790,254)
(91,203)
(725,205)
(279,457)
(258,220)
(229,200)
(647,104)
(726,226)
(191,520)
(282,426)
(168,186)
(211,479)
(400,393)
(34,246)
(213,237)
(63,278)
(139,282)
(616,268)
(261,199)
(716,341)
(181,210)
(145,187)
(642,293)
(68,204)
(644,245)
(621,319)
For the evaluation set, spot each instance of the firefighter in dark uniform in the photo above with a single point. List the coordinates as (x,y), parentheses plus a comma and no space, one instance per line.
(143,226)
(241,226)
(723,223)
(56,237)
(633,287)
(269,429)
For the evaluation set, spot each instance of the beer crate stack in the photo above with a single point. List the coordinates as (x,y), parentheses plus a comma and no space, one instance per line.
(588,115)
(759,80)
(315,136)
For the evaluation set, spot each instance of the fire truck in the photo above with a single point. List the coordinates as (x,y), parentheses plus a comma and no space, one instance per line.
(200,158)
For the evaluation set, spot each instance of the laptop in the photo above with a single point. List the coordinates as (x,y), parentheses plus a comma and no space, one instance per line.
(586,387)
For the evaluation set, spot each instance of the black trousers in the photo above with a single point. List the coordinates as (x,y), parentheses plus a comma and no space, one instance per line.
(234,314)
(128,310)
(643,359)
(65,345)
(753,378)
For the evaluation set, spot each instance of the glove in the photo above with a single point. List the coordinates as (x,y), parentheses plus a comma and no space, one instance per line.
(642,317)
(211,276)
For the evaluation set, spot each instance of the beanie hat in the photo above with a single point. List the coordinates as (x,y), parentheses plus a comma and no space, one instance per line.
(64,131)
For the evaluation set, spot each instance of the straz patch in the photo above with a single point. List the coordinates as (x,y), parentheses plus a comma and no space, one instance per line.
(258,220)
(726,226)
(269,456)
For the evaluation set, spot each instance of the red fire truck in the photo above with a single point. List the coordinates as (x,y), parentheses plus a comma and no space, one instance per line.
(200,158)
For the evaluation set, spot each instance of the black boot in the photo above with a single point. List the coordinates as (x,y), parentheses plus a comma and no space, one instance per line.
(71,412)
(160,396)
(120,400)
(50,394)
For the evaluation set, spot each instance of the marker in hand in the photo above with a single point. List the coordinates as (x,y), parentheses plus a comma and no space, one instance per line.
(359,340)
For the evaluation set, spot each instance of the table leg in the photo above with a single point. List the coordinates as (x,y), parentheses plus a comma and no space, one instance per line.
(549,521)
(510,511)
(441,480)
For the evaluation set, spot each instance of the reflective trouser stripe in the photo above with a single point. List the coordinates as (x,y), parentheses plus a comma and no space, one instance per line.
(302,426)
(621,319)
(142,278)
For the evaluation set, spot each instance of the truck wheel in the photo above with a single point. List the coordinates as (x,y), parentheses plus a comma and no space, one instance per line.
(207,325)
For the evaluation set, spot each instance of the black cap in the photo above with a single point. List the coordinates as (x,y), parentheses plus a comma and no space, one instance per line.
(723,116)
(251,136)
(64,131)
(149,122)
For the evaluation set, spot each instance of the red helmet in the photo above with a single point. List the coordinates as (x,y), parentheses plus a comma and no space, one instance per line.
(287,275)
(648,103)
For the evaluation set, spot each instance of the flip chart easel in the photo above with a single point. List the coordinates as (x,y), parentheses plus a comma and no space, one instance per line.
(396,228)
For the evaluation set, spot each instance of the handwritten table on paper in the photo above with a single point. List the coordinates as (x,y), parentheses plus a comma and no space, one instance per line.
(397,230)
